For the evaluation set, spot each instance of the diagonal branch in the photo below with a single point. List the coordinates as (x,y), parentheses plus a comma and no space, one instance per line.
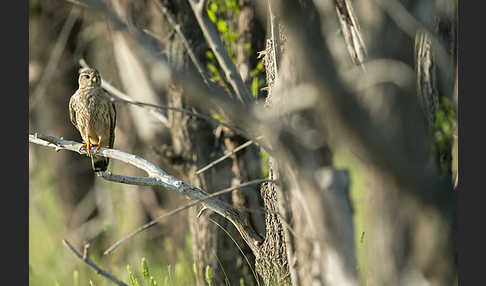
(91,264)
(158,177)
(214,41)
(241,147)
(179,209)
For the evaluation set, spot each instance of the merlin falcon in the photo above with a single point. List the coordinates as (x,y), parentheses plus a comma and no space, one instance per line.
(94,115)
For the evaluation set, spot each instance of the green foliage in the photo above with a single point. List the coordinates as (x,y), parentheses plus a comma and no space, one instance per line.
(264,159)
(50,263)
(131,277)
(208,275)
(257,79)
(444,125)
(217,11)
(145,270)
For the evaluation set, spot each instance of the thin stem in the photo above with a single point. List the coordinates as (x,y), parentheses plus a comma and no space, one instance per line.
(179,209)
(213,163)
(91,264)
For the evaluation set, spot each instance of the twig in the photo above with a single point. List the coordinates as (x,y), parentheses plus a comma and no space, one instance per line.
(93,265)
(158,177)
(179,209)
(214,41)
(177,28)
(241,147)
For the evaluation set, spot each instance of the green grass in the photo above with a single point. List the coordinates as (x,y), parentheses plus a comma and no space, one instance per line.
(152,261)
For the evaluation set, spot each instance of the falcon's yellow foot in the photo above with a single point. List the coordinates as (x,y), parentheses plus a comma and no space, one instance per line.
(98,146)
(84,147)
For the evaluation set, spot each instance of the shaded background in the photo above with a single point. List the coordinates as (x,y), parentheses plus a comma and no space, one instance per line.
(67,201)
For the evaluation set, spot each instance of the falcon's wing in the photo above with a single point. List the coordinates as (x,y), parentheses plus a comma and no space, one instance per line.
(72,111)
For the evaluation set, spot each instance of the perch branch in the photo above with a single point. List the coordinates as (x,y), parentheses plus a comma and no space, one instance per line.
(179,209)
(91,264)
(198,92)
(118,96)
(158,177)
(214,41)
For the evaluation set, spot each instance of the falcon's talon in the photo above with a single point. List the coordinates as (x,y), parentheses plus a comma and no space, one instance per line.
(82,147)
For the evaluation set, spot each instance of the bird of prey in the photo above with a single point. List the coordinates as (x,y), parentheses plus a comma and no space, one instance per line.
(94,115)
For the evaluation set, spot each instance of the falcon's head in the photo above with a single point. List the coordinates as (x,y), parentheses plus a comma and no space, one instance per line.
(89,77)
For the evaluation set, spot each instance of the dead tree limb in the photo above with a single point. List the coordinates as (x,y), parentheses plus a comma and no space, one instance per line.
(158,177)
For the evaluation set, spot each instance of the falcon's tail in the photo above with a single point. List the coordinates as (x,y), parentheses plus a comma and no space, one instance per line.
(100,164)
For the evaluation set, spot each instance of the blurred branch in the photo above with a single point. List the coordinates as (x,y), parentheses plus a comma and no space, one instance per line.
(179,209)
(118,96)
(177,28)
(54,58)
(353,124)
(197,92)
(214,41)
(158,177)
(213,163)
(409,24)
(351,31)
(91,264)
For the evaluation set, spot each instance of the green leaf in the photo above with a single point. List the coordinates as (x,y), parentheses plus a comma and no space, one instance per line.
(145,270)
(152,281)
(222,27)
(194,267)
(209,275)
(212,16)
(209,55)
(254,87)
(213,7)
(131,278)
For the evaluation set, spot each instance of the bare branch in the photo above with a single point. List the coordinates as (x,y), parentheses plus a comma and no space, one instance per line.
(179,209)
(93,265)
(158,177)
(213,163)
(351,31)
(214,41)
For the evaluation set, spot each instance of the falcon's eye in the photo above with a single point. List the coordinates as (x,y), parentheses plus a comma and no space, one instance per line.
(86,76)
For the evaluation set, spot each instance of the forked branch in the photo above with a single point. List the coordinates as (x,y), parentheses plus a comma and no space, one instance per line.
(158,177)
